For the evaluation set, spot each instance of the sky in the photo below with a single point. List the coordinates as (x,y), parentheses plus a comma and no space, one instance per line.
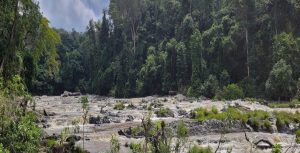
(68,14)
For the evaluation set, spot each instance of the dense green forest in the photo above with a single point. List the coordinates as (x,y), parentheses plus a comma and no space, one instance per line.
(211,48)
(195,47)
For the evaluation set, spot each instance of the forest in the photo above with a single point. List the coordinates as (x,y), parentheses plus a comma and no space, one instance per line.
(194,47)
(221,49)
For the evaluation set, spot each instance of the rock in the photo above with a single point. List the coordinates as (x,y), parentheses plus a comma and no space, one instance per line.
(105,119)
(52,137)
(113,114)
(95,120)
(182,112)
(130,118)
(65,94)
(180,97)
(45,125)
(116,120)
(48,113)
(74,94)
(74,137)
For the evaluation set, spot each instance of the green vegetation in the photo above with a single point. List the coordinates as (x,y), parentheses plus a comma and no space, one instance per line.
(136,148)
(277,148)
(197,149)
(230,92)
(119,106)
(298,136)
(147,47)
(85,108)
(164,112)
(257,119)
(115,145)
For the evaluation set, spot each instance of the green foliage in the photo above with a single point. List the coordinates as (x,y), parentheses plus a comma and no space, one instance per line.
(249,87)
(119,106)
(230,92)
(280,82)
(2,149)
(25,128)
(164,112)
(115,145)
(136,148)
(182,136)
(197,149)
(297,136)
(277,148)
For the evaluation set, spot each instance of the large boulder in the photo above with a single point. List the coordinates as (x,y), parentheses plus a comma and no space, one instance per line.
(67,93)
(73,138)
(95,120)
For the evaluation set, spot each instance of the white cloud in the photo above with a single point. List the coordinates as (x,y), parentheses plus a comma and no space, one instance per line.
(70,14)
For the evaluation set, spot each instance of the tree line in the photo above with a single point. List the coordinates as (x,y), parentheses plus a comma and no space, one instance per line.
(195,47)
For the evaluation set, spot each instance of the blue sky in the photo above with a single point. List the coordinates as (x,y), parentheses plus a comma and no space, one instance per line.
(68,14)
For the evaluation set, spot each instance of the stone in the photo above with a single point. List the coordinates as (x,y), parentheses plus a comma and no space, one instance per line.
(106,119)
(74,137)
(95,120)
(45,125)
(129,118)
(182,112)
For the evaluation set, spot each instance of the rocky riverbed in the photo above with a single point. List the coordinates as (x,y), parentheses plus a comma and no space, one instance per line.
(59,112)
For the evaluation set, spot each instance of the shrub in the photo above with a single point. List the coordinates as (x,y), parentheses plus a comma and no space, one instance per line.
(230,92)
(136,130)
(277,148)
(114,145)
(2,149)
(136,147)
(164,112)
(210,86)
(268,125)
(297,136)
(197,149)
(119,106)
(215,110)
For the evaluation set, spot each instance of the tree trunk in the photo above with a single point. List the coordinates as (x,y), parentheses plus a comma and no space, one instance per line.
(247,48)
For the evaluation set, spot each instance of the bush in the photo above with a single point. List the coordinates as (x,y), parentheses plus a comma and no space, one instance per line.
(297,136)
(277,148)
(2,149)
(136,147)
(114,145)
(231,92)
(119,106)
(210,86)
(164,112)
(197,149)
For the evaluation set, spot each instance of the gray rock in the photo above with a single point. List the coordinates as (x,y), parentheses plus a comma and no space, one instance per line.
(182,112)
(129,118)
(95,120)
(74,138)
(106,119)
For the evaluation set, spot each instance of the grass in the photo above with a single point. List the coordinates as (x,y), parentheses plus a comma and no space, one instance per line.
(257,119)
(164,112)
(295,103)
(119,106)
(297,136)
